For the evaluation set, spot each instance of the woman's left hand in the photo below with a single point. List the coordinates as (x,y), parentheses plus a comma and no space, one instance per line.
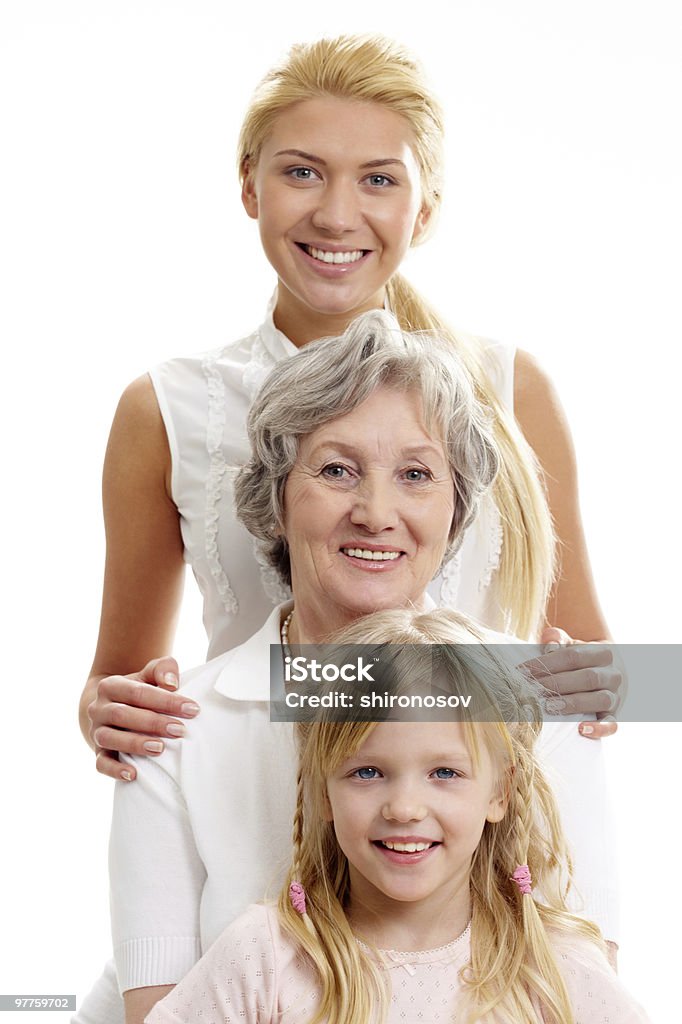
(582,678)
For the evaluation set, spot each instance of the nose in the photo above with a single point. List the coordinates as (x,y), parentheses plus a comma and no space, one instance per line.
(375,504)
(404,804)
(338,208)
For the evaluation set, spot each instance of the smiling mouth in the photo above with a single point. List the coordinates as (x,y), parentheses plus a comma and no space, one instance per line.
(405,847)
(371,556)
(325,256)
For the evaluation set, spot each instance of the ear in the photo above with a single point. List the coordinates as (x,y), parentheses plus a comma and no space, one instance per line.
(249,196)
(420,224)
(499,801)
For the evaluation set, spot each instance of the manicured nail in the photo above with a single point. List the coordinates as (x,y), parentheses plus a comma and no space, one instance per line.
(189,709)
(153,746)
(552,647)
(126,776)
(176,729)
(170,679)
(587,730)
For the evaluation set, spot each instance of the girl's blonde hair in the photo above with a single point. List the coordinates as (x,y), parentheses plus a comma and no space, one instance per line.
(512,970)
(377,70)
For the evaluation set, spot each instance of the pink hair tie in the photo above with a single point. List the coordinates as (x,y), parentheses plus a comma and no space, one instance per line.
(522,878)
(297,897)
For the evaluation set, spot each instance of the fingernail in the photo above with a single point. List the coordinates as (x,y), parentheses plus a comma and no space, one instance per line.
(555,705)
(126,776)
(153,746)
(189,709)
(548,648)
(176,729)
(587,730)
(170,679)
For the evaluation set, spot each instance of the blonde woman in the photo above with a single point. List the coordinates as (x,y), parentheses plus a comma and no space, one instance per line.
(340,160)
(420,850)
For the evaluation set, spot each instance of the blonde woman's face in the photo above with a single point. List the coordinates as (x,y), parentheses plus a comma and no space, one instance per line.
(338,199)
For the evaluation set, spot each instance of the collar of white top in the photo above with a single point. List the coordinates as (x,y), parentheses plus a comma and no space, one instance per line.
(275,341)
(245,670)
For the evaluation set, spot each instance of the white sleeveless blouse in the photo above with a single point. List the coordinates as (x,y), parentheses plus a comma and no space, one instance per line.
(204,401)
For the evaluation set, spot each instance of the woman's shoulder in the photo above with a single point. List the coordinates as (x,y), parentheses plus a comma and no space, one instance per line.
(498,359)
(196,364)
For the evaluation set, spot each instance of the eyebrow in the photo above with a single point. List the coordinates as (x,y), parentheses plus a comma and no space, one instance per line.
(311,158)
(458,757)
(342,447)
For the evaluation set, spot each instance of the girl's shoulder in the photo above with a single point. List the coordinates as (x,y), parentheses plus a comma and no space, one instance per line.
(257,935)
(252,972)
(596,992)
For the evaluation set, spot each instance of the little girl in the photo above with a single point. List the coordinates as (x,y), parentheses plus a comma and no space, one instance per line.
(420,849)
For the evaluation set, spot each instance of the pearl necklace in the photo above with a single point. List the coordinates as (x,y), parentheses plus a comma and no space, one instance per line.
(284,632)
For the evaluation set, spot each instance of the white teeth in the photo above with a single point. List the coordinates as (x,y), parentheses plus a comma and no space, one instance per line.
(372,556)
(334,257)
(406,847)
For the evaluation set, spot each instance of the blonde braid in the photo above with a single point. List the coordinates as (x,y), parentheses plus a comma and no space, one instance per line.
(311,910)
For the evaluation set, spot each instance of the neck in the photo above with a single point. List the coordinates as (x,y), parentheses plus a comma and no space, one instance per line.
(410,927)
(306,628)
(315,625)
(302,324)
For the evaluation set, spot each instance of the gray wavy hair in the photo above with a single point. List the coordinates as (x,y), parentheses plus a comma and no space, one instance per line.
(331,377)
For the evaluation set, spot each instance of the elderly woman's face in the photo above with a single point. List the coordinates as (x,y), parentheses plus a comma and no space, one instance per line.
(367,510)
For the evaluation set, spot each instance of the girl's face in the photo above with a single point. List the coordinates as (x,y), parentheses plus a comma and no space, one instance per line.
(408,810)
(337,195)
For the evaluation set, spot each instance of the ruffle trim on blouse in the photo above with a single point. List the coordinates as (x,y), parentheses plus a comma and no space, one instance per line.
(451,572)
(490,523)
(272,584)
(215,482)
(258,366)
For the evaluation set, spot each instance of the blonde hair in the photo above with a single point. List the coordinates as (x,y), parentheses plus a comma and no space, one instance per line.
(373,69)
(512,969)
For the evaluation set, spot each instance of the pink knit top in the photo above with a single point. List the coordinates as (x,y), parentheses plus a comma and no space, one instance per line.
(254,974)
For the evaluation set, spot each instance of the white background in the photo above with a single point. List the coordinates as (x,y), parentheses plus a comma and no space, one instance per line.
(122,242)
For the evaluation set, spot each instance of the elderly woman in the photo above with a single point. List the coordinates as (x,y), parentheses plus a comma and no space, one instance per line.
(369,456)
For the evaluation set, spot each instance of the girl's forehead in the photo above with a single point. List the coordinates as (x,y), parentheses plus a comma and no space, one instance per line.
(472,745)
(416,740)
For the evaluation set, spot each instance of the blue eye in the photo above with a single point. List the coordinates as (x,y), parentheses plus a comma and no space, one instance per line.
(366,773)
(301,173)
(445,773)
(334,471)
(417,475)
(380,180)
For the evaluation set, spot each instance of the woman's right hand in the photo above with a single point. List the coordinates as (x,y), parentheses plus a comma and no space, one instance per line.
(129,714)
